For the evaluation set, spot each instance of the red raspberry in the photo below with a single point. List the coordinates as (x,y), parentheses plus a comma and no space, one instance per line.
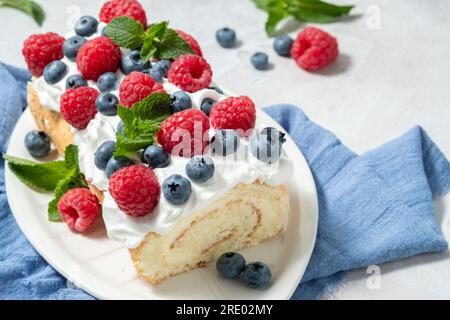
(238,113)
(136,86)
(190,73)
(185,133)
(117,8)
(314,49)
(98,56)
(41,49)
(135,189)
(79,208)
(191,42)
(77,106)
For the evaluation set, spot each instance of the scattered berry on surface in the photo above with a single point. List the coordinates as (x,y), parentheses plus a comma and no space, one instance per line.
(136,86)
(177,189)
(54,71)
(256,275)
(107,82)
(225,142)
(190,72)
(75,80)
(103,154)
(155,157)
(226,37)
(238,113)
(195,46)
(200,168)
(72,45)
(116,8)
(86,26)
(37,143)
(230,265)
(180,101)
(260,60)
(77,106)
(282,45)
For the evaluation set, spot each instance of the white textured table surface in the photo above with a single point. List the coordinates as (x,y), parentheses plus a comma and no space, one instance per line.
(386,80)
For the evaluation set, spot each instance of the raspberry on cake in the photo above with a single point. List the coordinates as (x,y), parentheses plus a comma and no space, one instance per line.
(238,113)
(98,56)
(191,42)
(117,8)
(79,208)
(41,49)
(136,86)
(183,133)
(313,49)
(135,190)
(78,106)
(190,72)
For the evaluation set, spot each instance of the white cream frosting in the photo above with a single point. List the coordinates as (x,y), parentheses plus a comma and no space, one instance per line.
(240,167)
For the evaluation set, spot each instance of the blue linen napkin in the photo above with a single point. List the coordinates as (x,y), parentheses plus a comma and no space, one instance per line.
(373,208)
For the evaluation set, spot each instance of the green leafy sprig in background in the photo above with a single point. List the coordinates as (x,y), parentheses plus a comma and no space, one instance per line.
(29,7)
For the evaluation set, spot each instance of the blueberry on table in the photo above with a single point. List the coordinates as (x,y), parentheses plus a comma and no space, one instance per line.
(207,105)
(75,80)
(180,101)
(176,189)
(200,168)
(159,70)
(114,165)
(106,104)
(37,143)
(230,265)
(256,275)
(282,45)
(86,26)
(260,60)
(132,62)
(107,82)
(225,142)
(155,157)
(72,45)
(54,71)
(226,37)
(103,154)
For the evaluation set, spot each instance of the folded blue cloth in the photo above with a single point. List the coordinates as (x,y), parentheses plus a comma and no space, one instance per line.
(373,208)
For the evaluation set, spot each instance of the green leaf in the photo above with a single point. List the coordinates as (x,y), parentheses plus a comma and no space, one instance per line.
(277,12)
(29,7)
(262,4)
(172,46)
(152,39)
(125,32)
(141,123)
(41,176)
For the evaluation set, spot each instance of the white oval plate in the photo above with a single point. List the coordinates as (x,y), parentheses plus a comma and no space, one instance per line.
(104,269)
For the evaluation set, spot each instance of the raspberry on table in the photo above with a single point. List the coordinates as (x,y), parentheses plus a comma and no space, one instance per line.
(195,46)
(136,86)
(135,189)
(77,106)
(98,56)
(79,208)
(41,49)
(237,113)
(184,133)
(190,72)
(314,48)
(116,8)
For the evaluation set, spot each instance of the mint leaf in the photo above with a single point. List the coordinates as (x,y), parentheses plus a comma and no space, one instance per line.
(141,123)
(29,7)
(152,39)
(262,4)
(172,46)
(277,12)
(41,176)
(125,32)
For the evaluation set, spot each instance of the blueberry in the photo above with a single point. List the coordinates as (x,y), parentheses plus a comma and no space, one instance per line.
(103,154)
(155,157)
(225,142)
(176,189)
(217,89)
(159,70)
(180,101)
(256,275)
(114,165)
(107,82)
(106,104)
(230,265)
(120,127)
(207,105)
(75,80)
(71,47)
(200,168)
(54,71)
(282,45)
(266,146)
(37,143)
(260,60)
(226,37)
(132,62)
(86,26)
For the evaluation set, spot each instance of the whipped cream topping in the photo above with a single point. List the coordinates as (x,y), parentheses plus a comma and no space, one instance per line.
(239,167)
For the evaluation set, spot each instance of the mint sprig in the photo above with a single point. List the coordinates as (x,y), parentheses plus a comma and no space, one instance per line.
(157,42)
(141,123)
(303,10)
(31,8)
(56,176)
